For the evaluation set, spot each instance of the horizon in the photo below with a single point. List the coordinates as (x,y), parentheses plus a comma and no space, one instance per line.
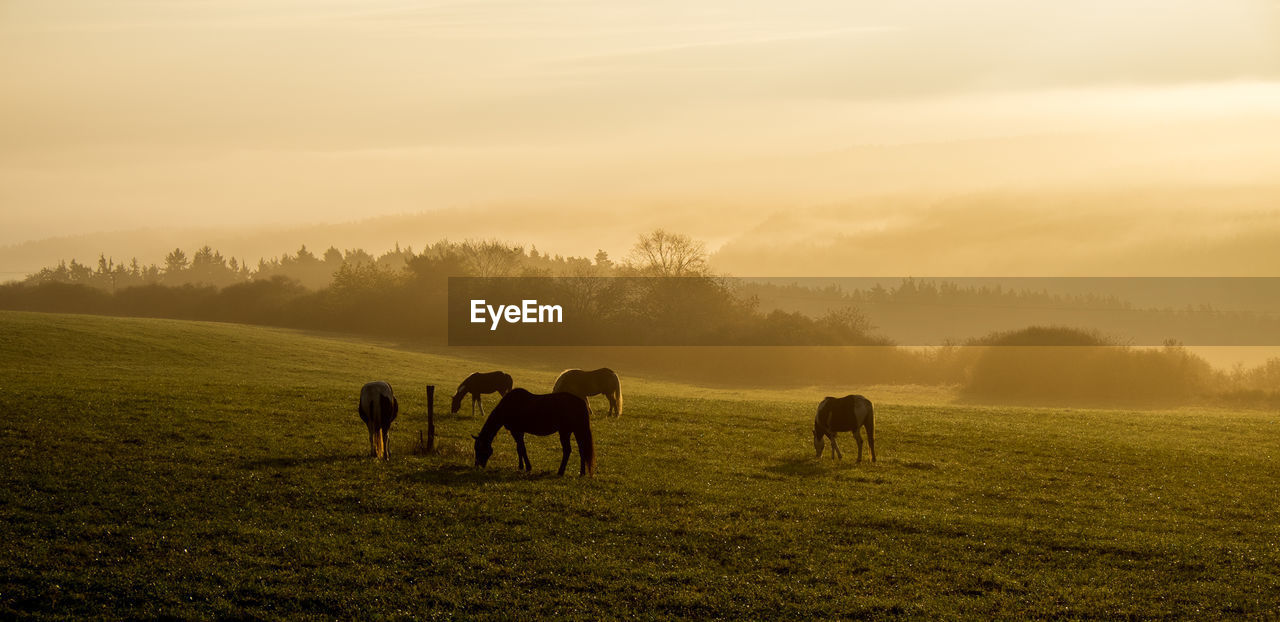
(1008,138)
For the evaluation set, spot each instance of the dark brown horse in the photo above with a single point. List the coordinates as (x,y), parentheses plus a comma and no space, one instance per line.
(522,412)
(478,384)
(839,414)
(378,408)
(584,384)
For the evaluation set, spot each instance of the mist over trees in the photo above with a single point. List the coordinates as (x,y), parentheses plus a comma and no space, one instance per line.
(402,293)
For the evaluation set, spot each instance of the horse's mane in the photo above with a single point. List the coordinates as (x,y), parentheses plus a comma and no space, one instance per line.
(492,424)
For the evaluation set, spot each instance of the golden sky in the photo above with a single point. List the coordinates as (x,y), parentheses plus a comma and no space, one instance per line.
(117,114)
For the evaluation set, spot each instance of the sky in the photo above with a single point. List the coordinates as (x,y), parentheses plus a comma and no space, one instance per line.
(124,114)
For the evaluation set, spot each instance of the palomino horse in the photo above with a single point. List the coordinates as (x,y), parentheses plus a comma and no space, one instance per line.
(838,414)
(522,413)
(378,408)
(587,383)
(478,384)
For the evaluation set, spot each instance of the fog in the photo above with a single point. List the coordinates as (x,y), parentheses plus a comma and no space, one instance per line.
(713,118)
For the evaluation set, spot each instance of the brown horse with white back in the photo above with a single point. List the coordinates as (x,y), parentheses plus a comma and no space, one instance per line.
(839,414)
(378,408)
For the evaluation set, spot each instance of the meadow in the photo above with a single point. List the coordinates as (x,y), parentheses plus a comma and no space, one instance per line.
(162,468)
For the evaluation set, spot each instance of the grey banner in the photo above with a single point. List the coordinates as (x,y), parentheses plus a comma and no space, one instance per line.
(816,311)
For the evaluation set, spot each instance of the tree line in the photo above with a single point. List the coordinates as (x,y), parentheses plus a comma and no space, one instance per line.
(402,294)
(207,266)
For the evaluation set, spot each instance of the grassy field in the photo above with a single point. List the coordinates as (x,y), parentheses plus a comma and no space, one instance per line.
(164,468)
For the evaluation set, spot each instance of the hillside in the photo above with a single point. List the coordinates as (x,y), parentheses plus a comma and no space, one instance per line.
(168,468)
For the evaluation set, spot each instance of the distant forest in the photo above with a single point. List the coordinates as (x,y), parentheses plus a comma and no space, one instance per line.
(402,293)
(207,267)
(929,312)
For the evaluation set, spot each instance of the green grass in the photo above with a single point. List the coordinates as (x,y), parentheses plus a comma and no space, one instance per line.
(162,468)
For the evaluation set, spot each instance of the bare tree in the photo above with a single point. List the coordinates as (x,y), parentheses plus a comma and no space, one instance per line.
(669,254)
(493,258)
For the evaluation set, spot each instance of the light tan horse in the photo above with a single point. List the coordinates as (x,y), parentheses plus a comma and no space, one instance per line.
(584,384)
(837,414)
(378,408)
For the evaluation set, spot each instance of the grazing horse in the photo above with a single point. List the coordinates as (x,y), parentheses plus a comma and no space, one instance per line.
(478,384)
(522,412)
(378,408)
(587,383)
(837,414)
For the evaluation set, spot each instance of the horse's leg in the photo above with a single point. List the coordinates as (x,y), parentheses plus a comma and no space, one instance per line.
(871,439)
(857,436)
(835,449)
(522,453)
(564,448)
(386,443)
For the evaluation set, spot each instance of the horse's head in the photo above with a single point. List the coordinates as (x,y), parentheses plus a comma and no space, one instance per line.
(483,451)
(456,404)
(817,442)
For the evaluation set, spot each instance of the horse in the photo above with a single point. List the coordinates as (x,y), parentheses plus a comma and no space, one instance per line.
(477,384)
(587,383)
(378,408)
(837,414)
(522,412)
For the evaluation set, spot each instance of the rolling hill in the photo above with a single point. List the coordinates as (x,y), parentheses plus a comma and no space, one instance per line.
(157,468)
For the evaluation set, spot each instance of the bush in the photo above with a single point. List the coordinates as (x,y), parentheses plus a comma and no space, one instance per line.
(1068,366)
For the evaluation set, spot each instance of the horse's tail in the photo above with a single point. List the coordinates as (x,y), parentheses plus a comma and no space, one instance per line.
(587,447)
(375,425)
(864,415)
(617,388)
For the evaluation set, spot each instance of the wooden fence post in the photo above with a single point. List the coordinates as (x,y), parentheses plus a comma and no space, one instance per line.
(431,418)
